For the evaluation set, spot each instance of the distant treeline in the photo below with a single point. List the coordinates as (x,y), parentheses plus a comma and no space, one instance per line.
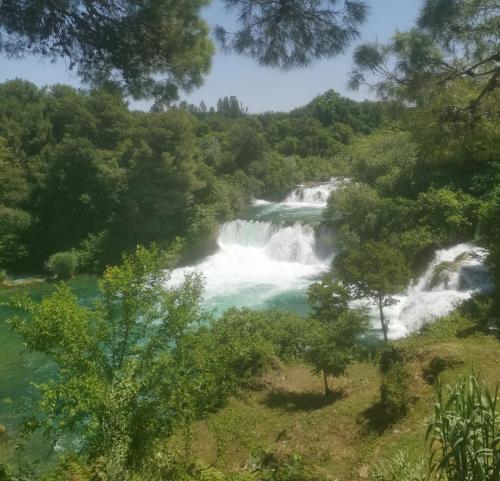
(80,171)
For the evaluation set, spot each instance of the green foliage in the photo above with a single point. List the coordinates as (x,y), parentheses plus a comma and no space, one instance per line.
(395,397)
(78,170)
(14,191)
(385,160)
(490,233)
(352,213)
(334,346)
(375,271)
(399,468)
(335,331)
(292,34)
(328,299)
(63,264)
(120,385)
(463,434)
(451,41)
(106,42)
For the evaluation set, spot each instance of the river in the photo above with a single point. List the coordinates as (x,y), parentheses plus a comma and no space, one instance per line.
(265,259)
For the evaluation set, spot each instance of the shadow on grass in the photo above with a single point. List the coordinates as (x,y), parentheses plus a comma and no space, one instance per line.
(302,401)
(374,419)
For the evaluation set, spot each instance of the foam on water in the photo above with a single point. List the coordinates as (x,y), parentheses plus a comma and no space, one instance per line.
(256,262)
(261,263)
(453,276)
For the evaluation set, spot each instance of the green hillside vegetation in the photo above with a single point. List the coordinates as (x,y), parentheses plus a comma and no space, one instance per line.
(143,383)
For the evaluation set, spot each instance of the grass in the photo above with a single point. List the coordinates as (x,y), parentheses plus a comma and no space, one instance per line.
(343,437)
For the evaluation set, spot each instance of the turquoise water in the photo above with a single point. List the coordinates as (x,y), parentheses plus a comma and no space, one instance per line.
(266,260)
(18,370)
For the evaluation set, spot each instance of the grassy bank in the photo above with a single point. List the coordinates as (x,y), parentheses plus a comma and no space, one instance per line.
(343,437)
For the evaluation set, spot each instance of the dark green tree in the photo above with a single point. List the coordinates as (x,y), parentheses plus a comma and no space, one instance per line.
(453,39)
(293,33)
(14,220)
(150,49)
(377,272)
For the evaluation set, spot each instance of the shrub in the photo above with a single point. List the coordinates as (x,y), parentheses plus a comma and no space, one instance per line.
(394,389)
(3,277)
(63,264)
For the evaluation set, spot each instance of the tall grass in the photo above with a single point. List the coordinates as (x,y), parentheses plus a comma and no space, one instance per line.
(464,434)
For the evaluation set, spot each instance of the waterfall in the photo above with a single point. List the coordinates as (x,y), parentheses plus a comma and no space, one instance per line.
(295,243)
(454,275)
(257,263)
(315,195)
(268,261)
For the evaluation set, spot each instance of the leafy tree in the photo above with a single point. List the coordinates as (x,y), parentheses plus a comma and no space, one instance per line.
(14,220)
(375,271)
(490,233)
(106,41)
(137,365)
(81,188)
(335,331)
(245,145)
(334,346)
(162,176)
(279,174)
(354,213)
(328,299)
(293,33)
(453,39)
(230,107)
(385,160)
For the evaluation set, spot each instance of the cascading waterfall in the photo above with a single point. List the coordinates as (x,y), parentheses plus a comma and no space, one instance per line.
(316,195)
(266,263)
(453,276)
(270,263)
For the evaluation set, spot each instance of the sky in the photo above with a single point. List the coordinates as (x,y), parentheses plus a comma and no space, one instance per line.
(259,88)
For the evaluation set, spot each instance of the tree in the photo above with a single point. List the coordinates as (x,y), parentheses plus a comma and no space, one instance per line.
(292,33)
(151,49)
(336,329)
(14,220)
(328,299)
(354,213)
(453,40)
(334,346)
(124,380)
(375,271)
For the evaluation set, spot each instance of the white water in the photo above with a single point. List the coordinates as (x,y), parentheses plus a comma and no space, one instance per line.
(426,300)
(262,263)
(270,264)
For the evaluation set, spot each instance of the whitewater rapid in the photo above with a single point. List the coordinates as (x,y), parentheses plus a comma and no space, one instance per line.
(453,276)
(270,259)
(266,264)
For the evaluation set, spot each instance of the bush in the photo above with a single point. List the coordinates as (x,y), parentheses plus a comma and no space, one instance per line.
(394,389)
(63,264)
(3,277)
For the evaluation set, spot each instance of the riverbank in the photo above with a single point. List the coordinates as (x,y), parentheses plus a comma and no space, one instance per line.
(343,437)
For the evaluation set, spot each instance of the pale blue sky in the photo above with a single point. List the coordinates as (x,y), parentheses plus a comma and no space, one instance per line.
(259,88)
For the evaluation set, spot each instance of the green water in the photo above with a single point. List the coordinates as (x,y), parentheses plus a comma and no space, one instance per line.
(18,370)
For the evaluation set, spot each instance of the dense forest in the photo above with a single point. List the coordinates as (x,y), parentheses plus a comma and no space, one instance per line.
(143,381)
(82,172)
